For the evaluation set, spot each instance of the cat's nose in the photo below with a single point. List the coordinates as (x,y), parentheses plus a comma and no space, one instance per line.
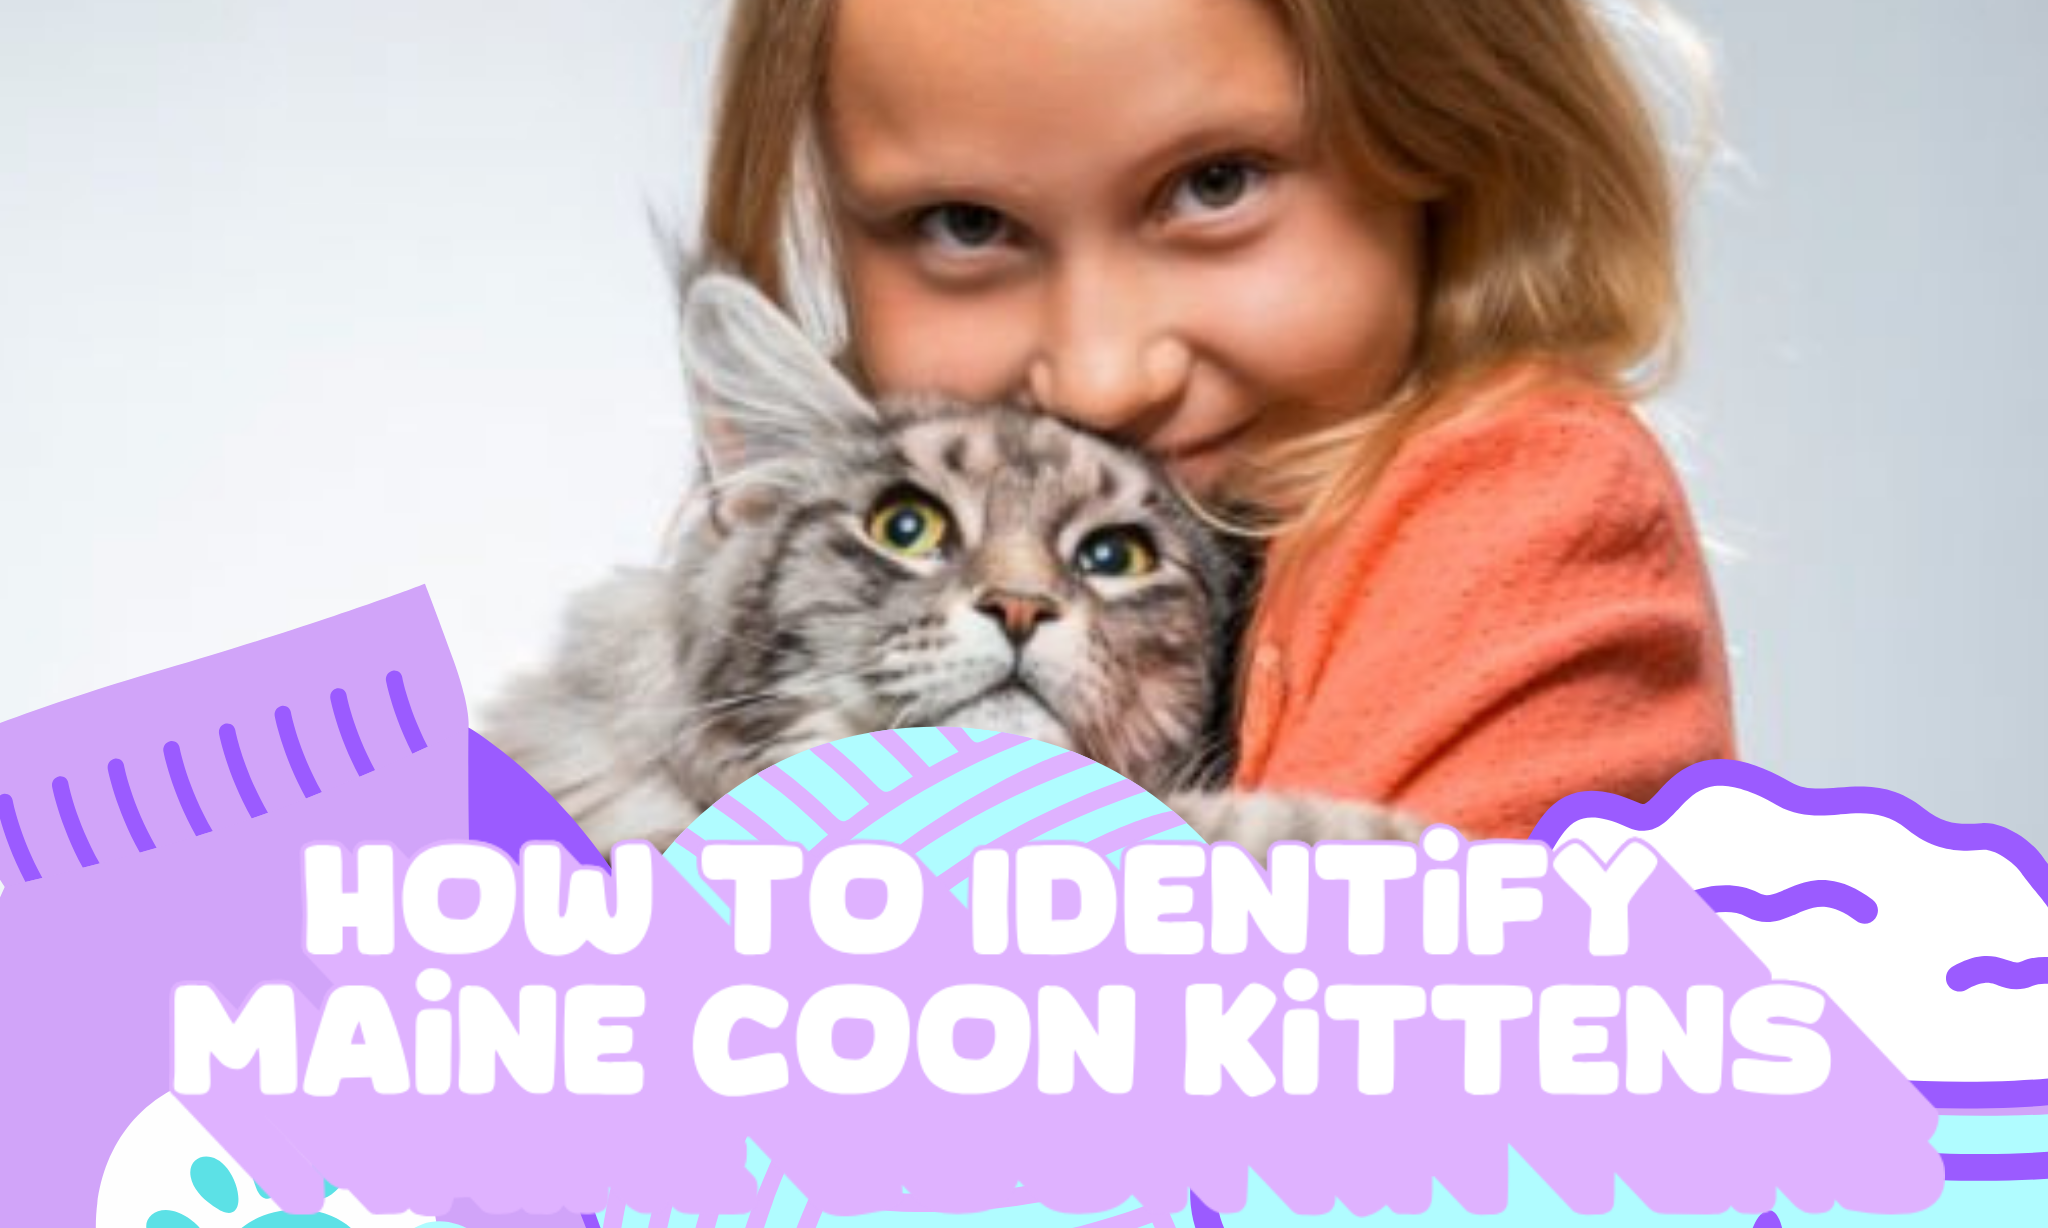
(1018,613)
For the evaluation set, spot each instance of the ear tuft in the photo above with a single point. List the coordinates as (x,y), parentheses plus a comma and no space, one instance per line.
(762,391)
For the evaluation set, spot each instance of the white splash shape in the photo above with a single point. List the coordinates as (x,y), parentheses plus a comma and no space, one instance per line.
(1935,908)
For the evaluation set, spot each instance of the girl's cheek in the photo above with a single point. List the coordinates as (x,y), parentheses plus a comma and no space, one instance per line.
(1340,303)
(1306,326)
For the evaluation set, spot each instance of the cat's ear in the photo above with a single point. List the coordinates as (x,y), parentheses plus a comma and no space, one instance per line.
(762,390)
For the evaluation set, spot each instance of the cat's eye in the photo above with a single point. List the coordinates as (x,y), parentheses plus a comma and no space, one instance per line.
(909,523)
(962,226)
(1122,550)
(1215,185)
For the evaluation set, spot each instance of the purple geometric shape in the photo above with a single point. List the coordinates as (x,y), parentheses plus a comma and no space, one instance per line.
(1990,1094)
(2001,1166)
(508,808)
(95,950)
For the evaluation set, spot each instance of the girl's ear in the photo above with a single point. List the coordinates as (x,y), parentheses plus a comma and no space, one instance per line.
(762,391)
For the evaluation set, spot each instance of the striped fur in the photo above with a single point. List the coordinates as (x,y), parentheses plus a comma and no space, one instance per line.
(783,621)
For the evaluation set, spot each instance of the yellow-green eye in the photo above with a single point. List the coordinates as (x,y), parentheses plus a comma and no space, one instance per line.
(1124,550)
(909,524)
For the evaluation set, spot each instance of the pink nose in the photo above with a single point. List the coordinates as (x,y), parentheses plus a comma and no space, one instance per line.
(1019,613)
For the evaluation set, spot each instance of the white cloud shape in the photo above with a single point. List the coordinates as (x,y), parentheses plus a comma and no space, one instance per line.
(1935,908)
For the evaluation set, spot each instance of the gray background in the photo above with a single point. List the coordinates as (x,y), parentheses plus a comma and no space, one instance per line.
(302,304)
(1865,382)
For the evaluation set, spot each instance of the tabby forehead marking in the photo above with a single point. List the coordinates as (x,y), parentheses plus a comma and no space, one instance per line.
(1025,469)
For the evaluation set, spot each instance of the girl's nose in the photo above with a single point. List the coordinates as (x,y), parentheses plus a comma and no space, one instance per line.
(1110,362)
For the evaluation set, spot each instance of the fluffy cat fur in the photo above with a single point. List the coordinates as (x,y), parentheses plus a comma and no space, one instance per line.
(846,566)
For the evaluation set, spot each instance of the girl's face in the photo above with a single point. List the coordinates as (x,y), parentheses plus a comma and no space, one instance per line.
(1114,211)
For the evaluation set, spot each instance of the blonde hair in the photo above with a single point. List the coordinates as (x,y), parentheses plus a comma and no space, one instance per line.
(1549,205)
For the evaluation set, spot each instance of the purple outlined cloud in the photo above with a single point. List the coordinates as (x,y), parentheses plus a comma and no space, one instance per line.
(1960,910)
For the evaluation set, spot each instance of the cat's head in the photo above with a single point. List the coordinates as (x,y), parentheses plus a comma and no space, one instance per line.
(924,562)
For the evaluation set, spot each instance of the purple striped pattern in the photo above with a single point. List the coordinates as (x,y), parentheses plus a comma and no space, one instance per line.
(1030,778)
(73,823)
(295,754)
(786,785)
(832,757)
(891,741)
(181,784)
(67,811)
(876,801)
(757,827)
(401,707)
(124,797)
(1051,820)
(17,844)
(351,739)
(238,768)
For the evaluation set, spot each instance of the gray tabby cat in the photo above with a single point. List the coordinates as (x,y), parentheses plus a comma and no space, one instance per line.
(848,566)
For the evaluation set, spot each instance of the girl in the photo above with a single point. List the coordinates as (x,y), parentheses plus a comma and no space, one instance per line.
(1381,267)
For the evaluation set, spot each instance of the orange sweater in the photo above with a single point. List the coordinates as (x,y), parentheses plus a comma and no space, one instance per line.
(1518,611)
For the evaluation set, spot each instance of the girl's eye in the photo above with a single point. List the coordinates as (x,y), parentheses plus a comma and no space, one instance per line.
(910,524)
(962,226)
(1214,186)
(1124,550)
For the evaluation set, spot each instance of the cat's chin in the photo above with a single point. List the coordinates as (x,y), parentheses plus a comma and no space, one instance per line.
(1013,710)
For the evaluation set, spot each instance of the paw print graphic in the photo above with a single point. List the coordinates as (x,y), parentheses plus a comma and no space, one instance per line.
(153,1180)
(212,1181)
